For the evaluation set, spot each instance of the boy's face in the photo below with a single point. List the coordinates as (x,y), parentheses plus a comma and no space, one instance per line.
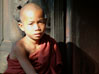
(33,24)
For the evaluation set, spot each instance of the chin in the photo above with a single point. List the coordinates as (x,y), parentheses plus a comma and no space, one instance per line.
(37,38)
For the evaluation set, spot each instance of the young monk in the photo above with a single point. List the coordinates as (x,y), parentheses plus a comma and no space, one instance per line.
(36,52)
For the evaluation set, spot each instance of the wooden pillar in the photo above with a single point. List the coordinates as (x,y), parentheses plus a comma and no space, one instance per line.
(69,37)
(59,20)
(68,22)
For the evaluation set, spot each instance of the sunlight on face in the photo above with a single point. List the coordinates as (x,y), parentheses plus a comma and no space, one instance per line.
(29,14)
(34,24)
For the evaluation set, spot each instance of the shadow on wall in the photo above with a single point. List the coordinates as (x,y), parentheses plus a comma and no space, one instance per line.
(81,63)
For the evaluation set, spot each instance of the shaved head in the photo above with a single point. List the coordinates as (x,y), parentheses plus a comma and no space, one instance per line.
(28,9)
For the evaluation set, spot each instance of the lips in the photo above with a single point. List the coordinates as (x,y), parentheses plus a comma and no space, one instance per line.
(37,34)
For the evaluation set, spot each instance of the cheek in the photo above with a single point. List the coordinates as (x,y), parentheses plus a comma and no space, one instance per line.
(43,27)
(28,28)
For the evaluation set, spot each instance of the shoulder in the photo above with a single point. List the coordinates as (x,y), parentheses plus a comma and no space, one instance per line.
(17,47)
(18,44)
(49,38)
(52,41)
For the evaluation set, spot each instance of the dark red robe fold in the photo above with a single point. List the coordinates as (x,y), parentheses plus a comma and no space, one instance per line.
(46,60)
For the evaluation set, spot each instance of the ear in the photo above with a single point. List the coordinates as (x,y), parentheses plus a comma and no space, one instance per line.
(21,26)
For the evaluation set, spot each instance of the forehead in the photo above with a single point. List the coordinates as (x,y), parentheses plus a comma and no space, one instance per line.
(32,15)
(31,11)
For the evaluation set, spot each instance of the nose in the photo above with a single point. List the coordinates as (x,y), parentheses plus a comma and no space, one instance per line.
(36,26)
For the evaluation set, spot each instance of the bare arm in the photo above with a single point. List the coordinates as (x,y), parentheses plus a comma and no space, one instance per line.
(20,53)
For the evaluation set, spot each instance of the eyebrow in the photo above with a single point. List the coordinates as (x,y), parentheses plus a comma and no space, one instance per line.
(37,20)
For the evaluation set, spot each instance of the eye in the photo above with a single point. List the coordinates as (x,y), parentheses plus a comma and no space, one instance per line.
(30,23)
(43,21)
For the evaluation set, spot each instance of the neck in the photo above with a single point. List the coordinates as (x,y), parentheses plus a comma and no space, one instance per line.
(31,41)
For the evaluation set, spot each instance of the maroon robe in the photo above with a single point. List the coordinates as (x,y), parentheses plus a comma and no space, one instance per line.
(46,60)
